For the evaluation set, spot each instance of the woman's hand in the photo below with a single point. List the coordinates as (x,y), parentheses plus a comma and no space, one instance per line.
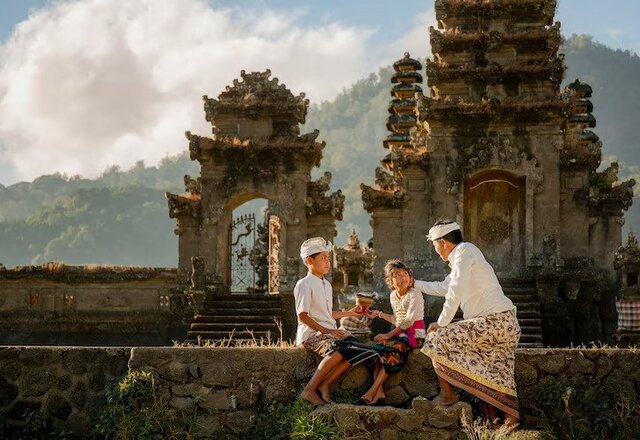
(382,337)
(374,313)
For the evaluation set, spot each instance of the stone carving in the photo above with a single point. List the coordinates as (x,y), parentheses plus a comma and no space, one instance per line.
(192,186)
(318,203)
(274,254)
(627,254)
(604,195)
(493,150)
(198,276)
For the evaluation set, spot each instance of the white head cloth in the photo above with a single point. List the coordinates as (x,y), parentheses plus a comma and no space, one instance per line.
(441,230)
(313,246)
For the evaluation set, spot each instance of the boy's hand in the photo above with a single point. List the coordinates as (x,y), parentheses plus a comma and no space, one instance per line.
(381,337)
(339,334)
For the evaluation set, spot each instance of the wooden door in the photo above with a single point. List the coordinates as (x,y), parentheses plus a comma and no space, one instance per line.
(494,219)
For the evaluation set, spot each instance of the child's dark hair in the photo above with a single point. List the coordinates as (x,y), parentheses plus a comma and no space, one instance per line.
(390,266)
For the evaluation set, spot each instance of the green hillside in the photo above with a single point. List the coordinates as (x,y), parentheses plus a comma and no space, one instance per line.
(121,217)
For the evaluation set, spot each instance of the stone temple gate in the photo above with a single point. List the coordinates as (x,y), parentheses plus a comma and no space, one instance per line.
(496,145)
(256,151)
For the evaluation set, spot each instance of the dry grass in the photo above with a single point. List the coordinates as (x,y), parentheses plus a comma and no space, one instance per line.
(480,430)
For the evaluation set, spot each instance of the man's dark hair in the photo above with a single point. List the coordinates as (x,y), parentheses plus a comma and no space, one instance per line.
(454,237)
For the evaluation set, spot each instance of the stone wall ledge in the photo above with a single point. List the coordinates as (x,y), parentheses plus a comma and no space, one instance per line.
(231,384)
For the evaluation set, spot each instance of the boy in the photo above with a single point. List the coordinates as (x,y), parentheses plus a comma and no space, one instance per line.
(317,330)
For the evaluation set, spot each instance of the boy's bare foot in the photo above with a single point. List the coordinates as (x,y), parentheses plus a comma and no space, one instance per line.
(445,400)
(325,392)
(312,398)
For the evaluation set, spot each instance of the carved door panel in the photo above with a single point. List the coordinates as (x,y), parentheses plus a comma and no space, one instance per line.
(274,254)
(494,220)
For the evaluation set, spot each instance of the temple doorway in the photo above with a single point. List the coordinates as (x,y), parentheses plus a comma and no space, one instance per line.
(254,247)
(494,219)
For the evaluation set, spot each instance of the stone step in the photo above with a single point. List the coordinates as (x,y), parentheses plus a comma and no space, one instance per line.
(517,282)
(242,334)
(217,318)
(530,322)
(230,326)
(530,338)
(530,345)
(527,306)
(242,311)
(522,298)
(216,305)
(531,330)
(248,297)
(528,314)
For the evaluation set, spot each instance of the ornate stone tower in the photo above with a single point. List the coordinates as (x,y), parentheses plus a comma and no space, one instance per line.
(498,147)
(256,151)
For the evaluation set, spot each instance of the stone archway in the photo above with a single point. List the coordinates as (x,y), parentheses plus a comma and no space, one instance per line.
(495,219)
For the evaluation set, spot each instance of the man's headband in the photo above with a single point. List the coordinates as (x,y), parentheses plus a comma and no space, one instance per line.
(440,231)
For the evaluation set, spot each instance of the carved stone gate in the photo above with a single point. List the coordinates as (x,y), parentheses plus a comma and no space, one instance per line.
(256,151)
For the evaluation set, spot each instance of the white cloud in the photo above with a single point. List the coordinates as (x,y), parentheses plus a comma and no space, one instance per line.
(92,83)
(415,41)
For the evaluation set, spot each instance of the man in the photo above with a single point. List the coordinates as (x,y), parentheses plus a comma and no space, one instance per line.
(477,353)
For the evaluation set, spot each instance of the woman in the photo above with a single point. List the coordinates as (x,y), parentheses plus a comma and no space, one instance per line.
(409,332)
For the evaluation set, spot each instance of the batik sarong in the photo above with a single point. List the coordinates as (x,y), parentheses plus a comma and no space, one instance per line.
(393,353)
(477,355)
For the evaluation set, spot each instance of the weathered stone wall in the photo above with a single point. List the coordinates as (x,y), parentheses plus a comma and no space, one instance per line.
(227,385)
(67,383)
(79,305)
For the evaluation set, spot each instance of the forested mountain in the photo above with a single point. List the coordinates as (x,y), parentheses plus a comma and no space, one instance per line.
(121,217)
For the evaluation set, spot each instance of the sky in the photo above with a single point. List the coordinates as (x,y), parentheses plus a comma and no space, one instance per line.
(86,84)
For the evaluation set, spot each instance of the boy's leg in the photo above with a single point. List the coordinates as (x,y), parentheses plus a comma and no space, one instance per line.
(310,392)
(325,386)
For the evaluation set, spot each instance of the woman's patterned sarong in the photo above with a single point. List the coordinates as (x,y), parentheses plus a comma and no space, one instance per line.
(477,355)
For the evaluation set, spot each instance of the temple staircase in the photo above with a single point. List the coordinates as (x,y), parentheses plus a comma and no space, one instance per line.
(524,295)
(237,319)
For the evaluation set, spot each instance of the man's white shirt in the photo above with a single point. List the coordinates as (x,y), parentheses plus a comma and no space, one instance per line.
(314,296)
(472,285)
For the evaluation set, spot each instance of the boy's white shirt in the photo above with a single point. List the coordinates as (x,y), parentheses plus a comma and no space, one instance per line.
(313,295)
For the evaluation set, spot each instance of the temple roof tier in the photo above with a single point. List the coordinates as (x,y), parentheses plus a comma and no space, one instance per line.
(257,95)
(397,139)
(407,64)
(454,40)
(495,73)
(582,156)
(406,77)
(378,198)
(488,109)
(580,89)
(605,195)
(401,122)
(533,9)
(583,119)
(405,91)
(401,106)
(204,147)
(183,205)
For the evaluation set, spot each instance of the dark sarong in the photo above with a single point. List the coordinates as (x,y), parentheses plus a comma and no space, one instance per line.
(393,353)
